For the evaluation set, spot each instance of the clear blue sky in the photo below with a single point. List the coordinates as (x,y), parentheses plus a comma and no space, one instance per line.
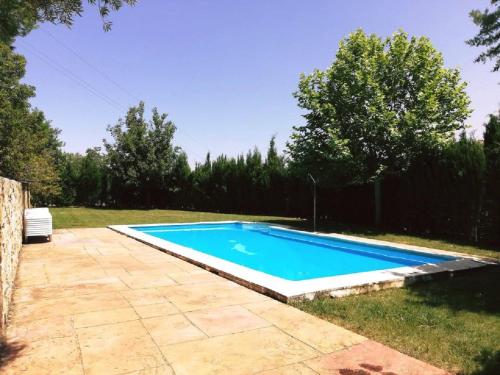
(225,70)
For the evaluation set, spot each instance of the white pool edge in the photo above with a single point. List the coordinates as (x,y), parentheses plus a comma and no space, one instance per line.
(336,286)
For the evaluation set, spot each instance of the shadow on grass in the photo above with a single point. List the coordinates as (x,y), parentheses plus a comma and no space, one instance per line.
(9,351)
(489,361)
(475,291)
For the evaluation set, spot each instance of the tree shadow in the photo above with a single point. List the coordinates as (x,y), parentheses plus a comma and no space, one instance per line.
(490,362)
(474,291)
(9,351)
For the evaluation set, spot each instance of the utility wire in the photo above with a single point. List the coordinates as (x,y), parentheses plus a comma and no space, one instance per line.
(81,82)
(71,76)
(104,75)
(92,66)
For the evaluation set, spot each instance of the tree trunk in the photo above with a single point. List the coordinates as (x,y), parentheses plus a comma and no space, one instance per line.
(378,201)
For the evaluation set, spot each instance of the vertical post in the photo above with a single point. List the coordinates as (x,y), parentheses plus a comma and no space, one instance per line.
(378,201)
(314,207)
(314,201)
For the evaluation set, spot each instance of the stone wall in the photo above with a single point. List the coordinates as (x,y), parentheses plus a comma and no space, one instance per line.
(12,202)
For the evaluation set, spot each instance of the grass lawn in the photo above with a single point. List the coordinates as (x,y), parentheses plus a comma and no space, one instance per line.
(79,217)
(454,324)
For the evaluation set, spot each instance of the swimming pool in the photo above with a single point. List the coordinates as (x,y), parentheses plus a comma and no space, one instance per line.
(286,254)
(288,262)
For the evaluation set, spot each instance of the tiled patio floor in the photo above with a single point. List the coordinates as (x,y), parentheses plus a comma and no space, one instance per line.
(96,302)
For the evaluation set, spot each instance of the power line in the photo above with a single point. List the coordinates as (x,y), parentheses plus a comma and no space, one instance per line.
(71,76)
(92,66)
(84,84)
(116,84)
(96,69)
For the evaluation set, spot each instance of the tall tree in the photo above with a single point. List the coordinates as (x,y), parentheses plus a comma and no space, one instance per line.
(181,186)
(69,175)
(19,17)
(492,155)
(142,157)
(29,146)
(92,178)
(488,21)
(274,179)
(464,162)
(380,104)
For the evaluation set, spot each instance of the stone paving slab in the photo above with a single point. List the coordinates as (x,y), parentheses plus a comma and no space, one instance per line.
(95,302)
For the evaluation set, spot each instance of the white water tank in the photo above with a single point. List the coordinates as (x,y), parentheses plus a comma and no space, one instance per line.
(37,222)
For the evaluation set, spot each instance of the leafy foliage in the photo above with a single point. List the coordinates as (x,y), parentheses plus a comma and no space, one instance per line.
(84,178)
(246,183)
(142,158)
(492,153)
(378,106)
(491,217)
(489,33)
(442,191)
(19,17)
(29,146)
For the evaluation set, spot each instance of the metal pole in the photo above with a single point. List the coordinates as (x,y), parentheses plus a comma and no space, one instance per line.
(314,201)
(315,207)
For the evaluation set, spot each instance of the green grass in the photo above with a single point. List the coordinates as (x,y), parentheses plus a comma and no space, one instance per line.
(79,217)
(453,324)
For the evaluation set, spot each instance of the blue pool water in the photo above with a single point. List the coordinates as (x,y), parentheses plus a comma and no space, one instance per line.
(287,254)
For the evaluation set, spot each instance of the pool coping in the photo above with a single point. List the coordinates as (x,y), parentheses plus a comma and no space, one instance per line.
(335,286)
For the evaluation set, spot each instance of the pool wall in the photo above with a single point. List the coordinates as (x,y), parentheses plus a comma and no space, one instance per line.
(335,286)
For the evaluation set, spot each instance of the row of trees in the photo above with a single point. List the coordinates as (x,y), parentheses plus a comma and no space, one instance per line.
(452,190)
(141,167)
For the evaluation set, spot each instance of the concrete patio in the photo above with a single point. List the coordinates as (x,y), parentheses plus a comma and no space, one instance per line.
(96,302)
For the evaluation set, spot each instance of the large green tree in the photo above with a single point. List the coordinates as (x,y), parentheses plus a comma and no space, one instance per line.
(19,17)
(488,21)
(29,146)
(142,157)
(381,103)
(83,178)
